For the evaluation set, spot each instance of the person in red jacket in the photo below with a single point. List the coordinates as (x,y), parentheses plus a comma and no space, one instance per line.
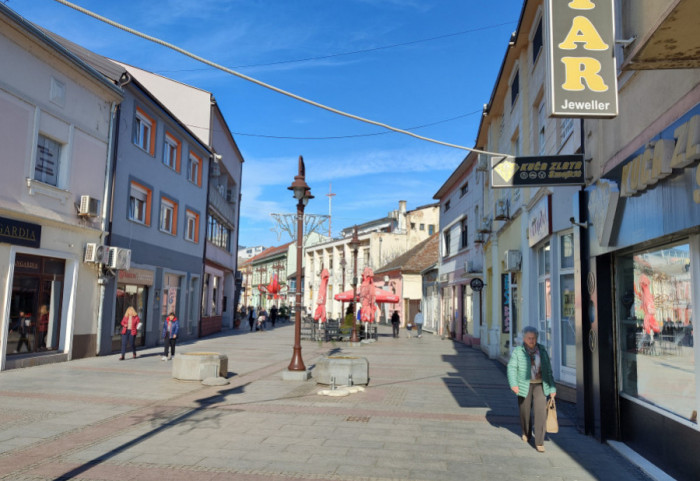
(130,325)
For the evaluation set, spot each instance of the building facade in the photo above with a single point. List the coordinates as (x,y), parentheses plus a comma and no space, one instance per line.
(57,118)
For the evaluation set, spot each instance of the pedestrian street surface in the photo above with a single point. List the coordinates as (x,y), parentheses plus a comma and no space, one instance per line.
(433,410)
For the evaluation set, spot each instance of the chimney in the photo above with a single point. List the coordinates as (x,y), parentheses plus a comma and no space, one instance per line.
(402,215)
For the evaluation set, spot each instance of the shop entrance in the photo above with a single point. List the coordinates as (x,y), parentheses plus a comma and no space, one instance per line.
(129,295)
(35,310)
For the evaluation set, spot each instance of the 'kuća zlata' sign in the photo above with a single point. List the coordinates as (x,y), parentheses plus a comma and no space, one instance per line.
(581,62)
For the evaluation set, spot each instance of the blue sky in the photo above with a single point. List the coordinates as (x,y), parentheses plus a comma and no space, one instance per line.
(404,86)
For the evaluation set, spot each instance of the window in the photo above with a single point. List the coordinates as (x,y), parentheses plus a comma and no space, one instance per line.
(144,131)
(168,216)
(515,147)
(568,300)
(544,295)
(540,125)
(567,127)
(421,227)
(192,226)
(217,233)
(413,226)
(655,325)
(464,189)
(515,88)
(447,206)
(447,239)
(431,229)
(139,203)
(465,234)
(537,42)
(171,152)
(194,169)
(48,160)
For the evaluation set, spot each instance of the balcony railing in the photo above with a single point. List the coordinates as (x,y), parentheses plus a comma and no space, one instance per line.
(222,206)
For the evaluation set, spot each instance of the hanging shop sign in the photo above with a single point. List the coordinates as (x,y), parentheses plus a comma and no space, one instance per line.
(539,222)
(582,75)
(476,284)
(20,233)
(537,171)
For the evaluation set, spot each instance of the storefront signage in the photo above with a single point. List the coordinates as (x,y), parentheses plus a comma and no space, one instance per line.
(505,303)
(20,233)
(476,284)
(660,157)
(139,277)
(537,171)
(581,62)
(602,205)
(539,225)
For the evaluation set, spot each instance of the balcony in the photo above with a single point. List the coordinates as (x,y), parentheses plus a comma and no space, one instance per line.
(225,209)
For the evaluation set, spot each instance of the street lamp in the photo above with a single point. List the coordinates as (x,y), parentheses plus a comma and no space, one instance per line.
(342,266)
(302,193)
(354,245)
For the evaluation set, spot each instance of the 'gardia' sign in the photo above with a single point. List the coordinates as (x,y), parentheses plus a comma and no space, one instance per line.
(581,61)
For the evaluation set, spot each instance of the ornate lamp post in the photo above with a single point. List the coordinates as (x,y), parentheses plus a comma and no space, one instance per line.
(302,193)
(354,245)
(342,266)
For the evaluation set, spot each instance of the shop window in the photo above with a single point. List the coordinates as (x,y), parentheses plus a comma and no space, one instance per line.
(544,295)
(654,316)
(48,160)
(568,300)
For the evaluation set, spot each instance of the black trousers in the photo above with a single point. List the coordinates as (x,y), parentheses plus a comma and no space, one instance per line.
(169,342)
(395,329)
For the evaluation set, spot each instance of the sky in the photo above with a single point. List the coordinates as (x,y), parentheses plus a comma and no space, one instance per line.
(406,63)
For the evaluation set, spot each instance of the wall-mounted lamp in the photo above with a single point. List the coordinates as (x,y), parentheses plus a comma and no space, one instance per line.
(582,225)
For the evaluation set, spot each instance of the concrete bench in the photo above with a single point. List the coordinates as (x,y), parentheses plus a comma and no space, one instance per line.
(197,366)
(342,368)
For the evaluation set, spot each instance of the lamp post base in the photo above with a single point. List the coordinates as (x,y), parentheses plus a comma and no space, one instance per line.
(288,375)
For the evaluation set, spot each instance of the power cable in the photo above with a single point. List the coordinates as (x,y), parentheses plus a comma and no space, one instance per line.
(355,52)
(266,85)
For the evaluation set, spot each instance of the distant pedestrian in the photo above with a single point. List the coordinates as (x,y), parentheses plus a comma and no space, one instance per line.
(418,321)
(251,317)
(530,378)
(395,321)
(171,326)
(262,318)
(273,315)
(130,323)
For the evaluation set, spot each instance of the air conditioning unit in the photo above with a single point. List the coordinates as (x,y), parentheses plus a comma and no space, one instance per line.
(96,253)
(471,268)
(485,226)
(119,258)
(501,210)
(512,260)
(482,163)
(88,206)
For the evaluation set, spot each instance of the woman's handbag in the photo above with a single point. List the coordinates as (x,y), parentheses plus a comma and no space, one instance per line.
(552,422)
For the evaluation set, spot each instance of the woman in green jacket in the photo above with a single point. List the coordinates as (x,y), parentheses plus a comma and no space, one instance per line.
(530,378)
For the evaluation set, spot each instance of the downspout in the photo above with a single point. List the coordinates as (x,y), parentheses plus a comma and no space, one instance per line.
(106,224)
(106,201)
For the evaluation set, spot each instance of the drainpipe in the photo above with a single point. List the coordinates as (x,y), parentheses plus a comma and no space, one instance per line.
(106,201)
(106,224)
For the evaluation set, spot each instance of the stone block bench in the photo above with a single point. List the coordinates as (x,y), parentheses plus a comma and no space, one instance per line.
(342,368)
(197,366)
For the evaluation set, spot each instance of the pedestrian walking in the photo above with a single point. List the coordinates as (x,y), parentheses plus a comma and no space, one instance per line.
(24,328)
(170,328)
(530,378)
(130,325)
(262,318)
(273,315)
(395,321)
(418,321)
(251,317)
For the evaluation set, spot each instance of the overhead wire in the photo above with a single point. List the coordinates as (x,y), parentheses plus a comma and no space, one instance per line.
(266,85)
(355,52)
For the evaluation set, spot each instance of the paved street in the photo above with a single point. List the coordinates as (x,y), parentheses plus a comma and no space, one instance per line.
(433,410)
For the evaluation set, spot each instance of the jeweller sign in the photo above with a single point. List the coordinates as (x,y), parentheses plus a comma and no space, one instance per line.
(582,76)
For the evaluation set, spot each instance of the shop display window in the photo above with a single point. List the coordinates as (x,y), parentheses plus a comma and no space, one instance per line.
(655,329)
(129,295)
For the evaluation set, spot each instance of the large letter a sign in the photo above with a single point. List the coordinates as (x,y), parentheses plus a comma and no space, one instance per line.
(581,61)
